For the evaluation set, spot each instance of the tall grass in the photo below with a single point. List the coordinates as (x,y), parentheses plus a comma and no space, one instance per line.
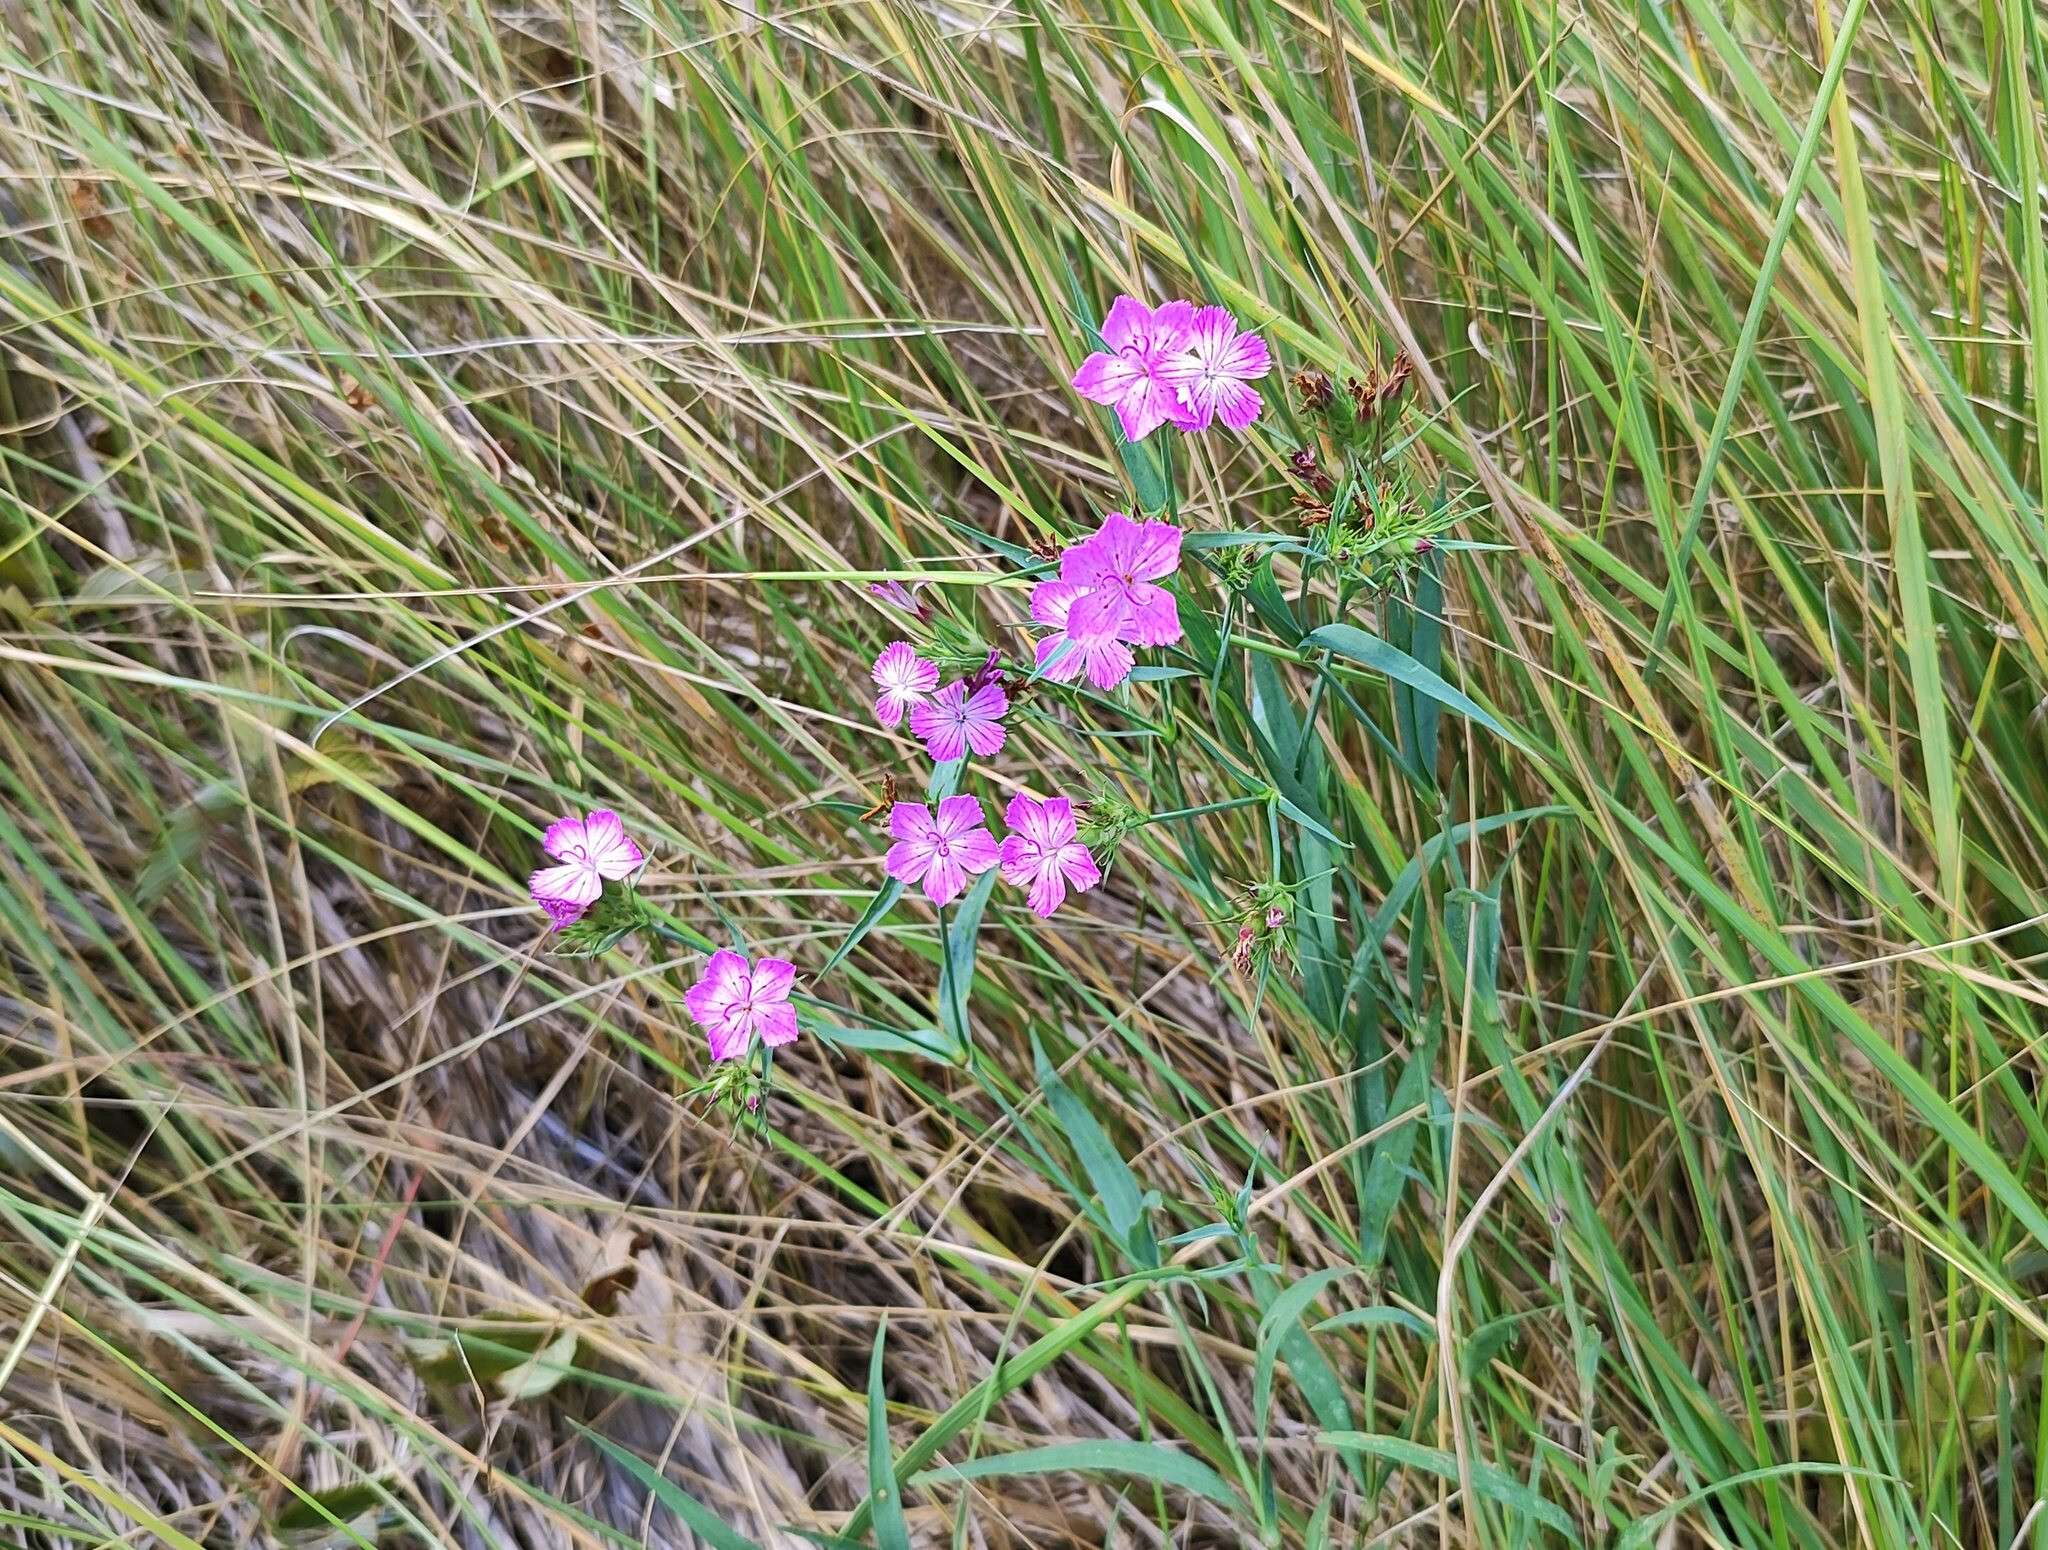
(423,419)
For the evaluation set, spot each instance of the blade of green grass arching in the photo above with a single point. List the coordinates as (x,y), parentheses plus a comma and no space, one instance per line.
(1146,1460)
(1347,640)
(699,1519)
(1116,1189)
(892,1532)
(1753,321)
(1487,1480)
(1638,1534)
(1014,1373)
(1281,1319)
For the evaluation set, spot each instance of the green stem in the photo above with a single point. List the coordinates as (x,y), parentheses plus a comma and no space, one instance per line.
(1208,807)
(1269,648)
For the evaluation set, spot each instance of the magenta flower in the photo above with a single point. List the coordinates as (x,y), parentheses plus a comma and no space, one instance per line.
(1120,565)
(956,720)
(904,679)
(941,851)
(735,1000)
(1130,375)
(1210,374)
(1061,657)
(589,850)
(1042,854)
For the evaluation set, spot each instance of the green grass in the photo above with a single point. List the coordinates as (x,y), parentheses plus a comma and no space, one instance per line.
(421,420)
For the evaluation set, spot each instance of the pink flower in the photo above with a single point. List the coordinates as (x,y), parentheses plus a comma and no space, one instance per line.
(590,850)
(1210,373)
(1119,565)
(904,679)
(1276,917)
(957,720)
(734,1000)
(940,852)
(1061,657)
(901,596)
(1042,854)
(1130,375)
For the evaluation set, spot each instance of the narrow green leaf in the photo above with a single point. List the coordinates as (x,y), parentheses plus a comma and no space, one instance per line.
(1117,1194)
(1380,1317)
(1347,640)
(1294,812)
(1146,1460)
(891,1531)
(956,964)
(696,1517)
(1489,1482)
(1281,1319)
(879,906)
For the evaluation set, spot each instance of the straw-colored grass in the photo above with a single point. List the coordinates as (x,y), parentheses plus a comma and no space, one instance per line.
(421,419)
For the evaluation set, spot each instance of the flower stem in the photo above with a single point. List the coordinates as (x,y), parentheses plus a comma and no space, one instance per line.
(1266,647)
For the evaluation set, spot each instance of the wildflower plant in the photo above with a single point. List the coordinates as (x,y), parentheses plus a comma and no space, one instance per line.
(1154,623)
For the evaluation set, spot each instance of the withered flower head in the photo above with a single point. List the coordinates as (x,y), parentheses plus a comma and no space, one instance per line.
(1315,390)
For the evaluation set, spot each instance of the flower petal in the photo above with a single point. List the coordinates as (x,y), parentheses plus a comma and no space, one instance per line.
(945,740)
(570,883)
(944,882)
(1129,321)
(1151,549)
(1237,405)
(562,913)
(1148,405)
(1154,618)
(1079,867)
(1105,379)
(988,703)
(610,850)
(729,1037)
(1245,357)
(977,851)
(959,814)
(561,834)
(1099,615)
(908,860)
(1061,658)
(1109,663)
(910,820)
(1048,891)
(776,1024)
(1021,813)
(1056,821)
(1020,859)
(721,986)
(772,980)
(1173,325)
